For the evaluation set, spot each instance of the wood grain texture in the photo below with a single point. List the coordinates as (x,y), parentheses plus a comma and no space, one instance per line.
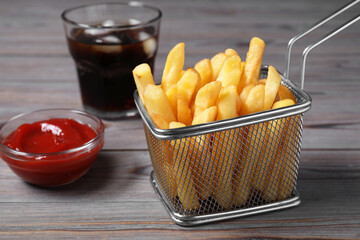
(114,200)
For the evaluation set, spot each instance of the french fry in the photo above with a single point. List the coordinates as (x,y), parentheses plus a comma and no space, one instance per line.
(183,172)
(224,150)
(276,131)
(260,161)
(183,111)
(205,167)
(171,94)
(230,52)
(186,87)
(142,76)
(254,101)
(168,181)
(245,92)
(243,169)
(205,70)
(173,66)
(253,63)
(230,72)
(173,125)
(271,87)
(228,103)
(207,96)
(184,175)
(216,63)
(283,103)
(285,93)
(207,115)
(289,165)
(257,73)
(261,81)
(240,86)
(159,121)
(158,106)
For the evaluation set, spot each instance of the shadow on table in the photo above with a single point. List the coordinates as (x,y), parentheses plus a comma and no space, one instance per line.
(106,178)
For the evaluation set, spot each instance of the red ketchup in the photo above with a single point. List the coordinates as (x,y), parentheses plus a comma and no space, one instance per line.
(47,164)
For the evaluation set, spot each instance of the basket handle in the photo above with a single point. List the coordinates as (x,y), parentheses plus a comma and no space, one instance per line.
(318,42)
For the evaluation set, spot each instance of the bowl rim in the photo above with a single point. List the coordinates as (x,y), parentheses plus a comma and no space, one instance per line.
(43,156)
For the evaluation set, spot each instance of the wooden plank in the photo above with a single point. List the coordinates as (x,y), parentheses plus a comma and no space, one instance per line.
(150,221)
(321,215)
(124,176)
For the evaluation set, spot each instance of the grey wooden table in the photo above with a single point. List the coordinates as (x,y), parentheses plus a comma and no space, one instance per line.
(115,199)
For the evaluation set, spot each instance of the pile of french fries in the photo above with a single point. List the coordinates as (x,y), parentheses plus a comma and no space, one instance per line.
(214,89)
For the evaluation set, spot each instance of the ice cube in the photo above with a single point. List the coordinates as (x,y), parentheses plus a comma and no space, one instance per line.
(114,49)
(143,36)
(95,31)
(108,23)
(109,39)
(133,21)
(149,46)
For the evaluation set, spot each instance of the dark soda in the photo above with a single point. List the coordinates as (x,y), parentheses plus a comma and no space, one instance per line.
(104,61)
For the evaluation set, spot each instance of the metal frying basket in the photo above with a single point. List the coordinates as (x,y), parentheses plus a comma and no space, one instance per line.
(234,167)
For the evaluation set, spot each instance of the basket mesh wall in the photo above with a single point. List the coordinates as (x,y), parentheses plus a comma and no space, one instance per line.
(228,170)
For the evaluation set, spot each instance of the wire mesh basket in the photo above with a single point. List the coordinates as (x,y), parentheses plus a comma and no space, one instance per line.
(228,168)
(234,167)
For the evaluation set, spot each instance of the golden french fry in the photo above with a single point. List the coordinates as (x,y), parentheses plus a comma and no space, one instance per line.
(243,96)
(159,121)
(205,70)
(254,101)
(283,103)
(205,168)
(216,63)
(257,73)
(142,76)
(290,149)
(173,66)
(157,105)
(173,125)
(184,176)
(285,93)
(207,115)
(230,71)
(240,87)
(253,63)
(170,179)
(245,92)
(224,157)
(207,96)
(171,94)
(271,87)
(186,88)
(261,162)
(276,133)
(244,166)
(261,81)
(230,52)
(228,103)
(183,172)
(224,152)
(183,111)
(182,73)
(188,83)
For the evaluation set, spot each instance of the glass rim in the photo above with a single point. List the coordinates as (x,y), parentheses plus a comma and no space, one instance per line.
(135,4)
(42,156)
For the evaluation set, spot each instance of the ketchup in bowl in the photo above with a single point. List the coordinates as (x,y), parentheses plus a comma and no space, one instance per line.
(53,151)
